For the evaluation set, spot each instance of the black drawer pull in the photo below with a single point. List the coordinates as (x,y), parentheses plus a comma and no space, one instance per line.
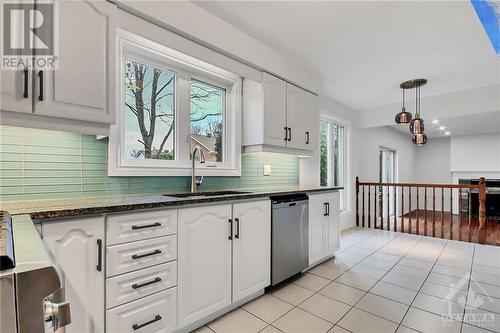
(139,285)
(138,256)
(138,326)
(99,255)
(144,226)
(25,92)
(40,76)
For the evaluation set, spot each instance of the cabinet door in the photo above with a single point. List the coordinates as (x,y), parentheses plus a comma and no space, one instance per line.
(296,116)
(204,261)
(16,90)
(74,247)
(317,226)
(333,224)
(311,121)
(274,110)
(251,248)
(82,85)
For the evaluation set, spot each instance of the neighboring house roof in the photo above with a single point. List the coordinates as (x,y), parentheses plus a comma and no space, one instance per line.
(206,141)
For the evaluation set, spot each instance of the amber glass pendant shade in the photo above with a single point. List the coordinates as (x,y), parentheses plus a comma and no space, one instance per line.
(403,117)
(417,125)
(419,139)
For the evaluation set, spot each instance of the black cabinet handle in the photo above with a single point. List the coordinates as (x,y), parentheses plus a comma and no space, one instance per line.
(307,138)
(289,134)
(286,133)
(144,226)
(99,255)
(237,234)
(25,73)
(230,229)
(40,77)
(135,327)
(139,256)
(326,209)
(140,285)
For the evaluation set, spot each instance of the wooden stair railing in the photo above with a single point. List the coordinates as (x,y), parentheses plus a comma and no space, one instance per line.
(410,220)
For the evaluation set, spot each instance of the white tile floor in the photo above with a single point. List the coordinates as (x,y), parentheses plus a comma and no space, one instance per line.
(382,281)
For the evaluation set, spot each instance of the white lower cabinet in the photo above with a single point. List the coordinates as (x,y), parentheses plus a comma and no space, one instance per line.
(152,314)
(76,246)
(324,219)
(224,256)
(204,261)
(251,248)
(131,286)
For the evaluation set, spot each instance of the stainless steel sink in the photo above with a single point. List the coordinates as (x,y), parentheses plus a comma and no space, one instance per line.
(201,195)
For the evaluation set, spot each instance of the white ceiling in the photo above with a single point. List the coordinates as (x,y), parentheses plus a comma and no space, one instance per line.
(363,50)
(488,122)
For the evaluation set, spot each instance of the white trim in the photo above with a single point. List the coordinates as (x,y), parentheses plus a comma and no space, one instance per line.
(347,163)
(185,68)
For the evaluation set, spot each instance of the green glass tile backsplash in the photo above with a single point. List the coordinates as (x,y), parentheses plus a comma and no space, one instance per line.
(43,164)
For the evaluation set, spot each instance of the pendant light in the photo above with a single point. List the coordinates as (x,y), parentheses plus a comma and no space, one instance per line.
(419,139)
(417,124)
(403,117)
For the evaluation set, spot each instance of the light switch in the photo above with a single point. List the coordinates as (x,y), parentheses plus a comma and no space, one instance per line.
(267,169)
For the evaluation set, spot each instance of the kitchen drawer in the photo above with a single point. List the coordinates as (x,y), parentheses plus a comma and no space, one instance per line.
(131,286)
(125,228)
(129,257)
(152,314)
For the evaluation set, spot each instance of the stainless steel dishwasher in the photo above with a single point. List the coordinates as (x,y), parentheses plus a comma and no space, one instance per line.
(290,236)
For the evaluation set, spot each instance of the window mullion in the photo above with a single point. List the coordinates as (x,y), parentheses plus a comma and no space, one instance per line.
(183,118)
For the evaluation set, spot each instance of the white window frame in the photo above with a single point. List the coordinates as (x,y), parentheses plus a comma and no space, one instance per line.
(332,120)
(185,67)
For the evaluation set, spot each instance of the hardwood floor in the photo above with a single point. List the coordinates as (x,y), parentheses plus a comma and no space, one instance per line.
(426,226)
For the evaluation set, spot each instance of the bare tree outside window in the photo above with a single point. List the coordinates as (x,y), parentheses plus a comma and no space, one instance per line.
(207,119)
(150,112)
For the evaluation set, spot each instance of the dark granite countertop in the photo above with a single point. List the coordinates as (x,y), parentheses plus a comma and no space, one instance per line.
(58,208)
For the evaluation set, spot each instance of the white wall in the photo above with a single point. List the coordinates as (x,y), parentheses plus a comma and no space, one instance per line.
(433,161)
(475,153)
(191,21)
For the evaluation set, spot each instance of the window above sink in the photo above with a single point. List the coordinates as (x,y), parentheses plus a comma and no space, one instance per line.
(169,103)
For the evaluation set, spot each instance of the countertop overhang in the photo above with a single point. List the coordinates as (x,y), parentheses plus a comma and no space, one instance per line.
(60,208)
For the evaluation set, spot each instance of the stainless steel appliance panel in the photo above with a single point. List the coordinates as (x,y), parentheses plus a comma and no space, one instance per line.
(289,239)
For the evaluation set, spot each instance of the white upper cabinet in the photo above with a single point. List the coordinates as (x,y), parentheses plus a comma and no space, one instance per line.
(297,117)
(81,85)
(324,229)
(278,116)
(275,99)
(251,248)
(15,89)
(77,248)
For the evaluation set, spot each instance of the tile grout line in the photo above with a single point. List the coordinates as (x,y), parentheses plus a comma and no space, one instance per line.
(430,271)
(317,292)
(379,281)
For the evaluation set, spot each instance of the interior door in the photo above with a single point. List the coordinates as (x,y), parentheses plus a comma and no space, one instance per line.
(204,261)
(387,174)
(251,248)
(80,88)
(275,110)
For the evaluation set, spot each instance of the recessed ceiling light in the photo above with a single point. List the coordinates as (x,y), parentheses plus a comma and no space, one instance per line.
(447,133)
(435,121)
(442,128)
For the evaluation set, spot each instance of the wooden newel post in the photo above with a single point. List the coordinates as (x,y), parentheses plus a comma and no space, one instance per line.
(357,201)
(482,211)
